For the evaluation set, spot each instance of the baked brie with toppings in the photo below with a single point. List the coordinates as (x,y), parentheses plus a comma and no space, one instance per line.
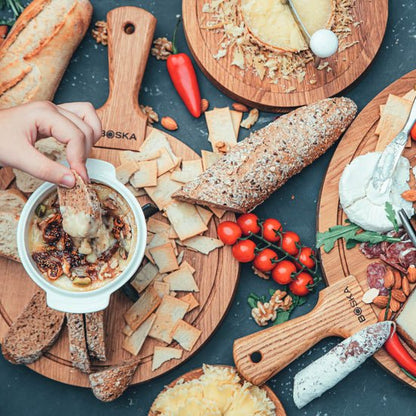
(83,264)
(270,22)
(363,209)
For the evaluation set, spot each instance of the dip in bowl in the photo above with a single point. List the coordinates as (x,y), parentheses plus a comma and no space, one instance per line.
(79,274)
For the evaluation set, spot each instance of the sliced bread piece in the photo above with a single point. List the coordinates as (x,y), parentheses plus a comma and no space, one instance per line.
(107,385)
(405,321)
(95,331)
(8,241)
(12,200)
(77,342)
(34,331)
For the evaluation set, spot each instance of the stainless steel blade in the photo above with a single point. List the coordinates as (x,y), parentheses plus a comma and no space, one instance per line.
(381,180)
(298,20)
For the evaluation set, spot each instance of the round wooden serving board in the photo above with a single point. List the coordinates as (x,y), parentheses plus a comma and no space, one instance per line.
(216,276)
(194,374)
(359,139)
(246,87)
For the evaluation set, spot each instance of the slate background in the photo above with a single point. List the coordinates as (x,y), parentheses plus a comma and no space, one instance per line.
(369,390)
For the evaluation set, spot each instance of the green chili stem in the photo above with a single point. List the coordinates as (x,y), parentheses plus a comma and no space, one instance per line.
(174,49)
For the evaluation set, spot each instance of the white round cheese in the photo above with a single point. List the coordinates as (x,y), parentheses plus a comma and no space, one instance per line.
(368,213)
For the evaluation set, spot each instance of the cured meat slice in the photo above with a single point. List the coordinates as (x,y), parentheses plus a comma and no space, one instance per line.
(371,251)
(375,277)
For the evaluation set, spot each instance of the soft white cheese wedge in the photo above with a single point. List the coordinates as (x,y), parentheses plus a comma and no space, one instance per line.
(368,213)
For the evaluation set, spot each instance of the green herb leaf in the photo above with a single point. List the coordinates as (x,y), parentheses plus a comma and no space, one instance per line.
(282,316)
(251,302)
(271,292)
(391,215)
(352,234)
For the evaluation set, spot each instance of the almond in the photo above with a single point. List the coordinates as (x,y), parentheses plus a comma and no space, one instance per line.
(397,279)
(406,286)
(394,304)
(389,279)
(169,123)
(240,107)
(409,195)
(380,301)
(398,295)
(204,105)
(382,315)
(411,274)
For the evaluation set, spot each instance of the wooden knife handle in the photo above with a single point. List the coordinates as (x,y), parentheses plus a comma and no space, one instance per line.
(261,355)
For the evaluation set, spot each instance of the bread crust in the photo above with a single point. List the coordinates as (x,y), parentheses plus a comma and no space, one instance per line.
(33,74)
(95,332)
(77,342)
(24,342)
(263,162)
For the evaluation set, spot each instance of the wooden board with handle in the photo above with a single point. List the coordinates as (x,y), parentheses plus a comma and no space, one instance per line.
(246,87)
(197,373)
(216,274)
(339,312)
(333,314)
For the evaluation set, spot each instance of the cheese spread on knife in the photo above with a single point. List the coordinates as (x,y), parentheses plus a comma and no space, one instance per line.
(362,209)
(82,264)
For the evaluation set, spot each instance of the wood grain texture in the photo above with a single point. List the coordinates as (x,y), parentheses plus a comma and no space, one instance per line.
(194,374)
(246,87)
(279,345)
(216,276)
(127,58)
(359,139)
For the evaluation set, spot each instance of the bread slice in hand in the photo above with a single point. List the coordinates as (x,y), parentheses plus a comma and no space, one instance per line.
(95,332)
(77,342)
(34,331)
(107,385)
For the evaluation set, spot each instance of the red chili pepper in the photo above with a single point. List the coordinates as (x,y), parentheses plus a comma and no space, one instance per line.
(183,76)
(397,351)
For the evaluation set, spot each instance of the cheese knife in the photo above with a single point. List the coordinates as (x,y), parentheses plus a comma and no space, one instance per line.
(324,373)
(381,181)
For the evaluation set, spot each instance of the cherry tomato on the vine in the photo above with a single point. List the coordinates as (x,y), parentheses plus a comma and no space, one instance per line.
(229,232)
(243,251)
(299,285)
(263,260)
(248,223)
(305,258)
(282,273)
(413,132)
(289,240)
(270,227)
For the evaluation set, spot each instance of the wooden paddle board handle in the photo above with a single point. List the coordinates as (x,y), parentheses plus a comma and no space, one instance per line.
(339,311)
(130,35)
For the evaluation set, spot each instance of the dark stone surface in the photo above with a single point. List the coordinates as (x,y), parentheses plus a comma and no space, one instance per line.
(369,390)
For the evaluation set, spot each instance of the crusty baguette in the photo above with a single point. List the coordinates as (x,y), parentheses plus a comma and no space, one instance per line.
(264,161)
(94,327)
(77,342)
(107,385)
(35,54)
(34,331)
(8,229)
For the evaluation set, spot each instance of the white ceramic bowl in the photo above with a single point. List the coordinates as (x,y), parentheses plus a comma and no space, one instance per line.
(94,300)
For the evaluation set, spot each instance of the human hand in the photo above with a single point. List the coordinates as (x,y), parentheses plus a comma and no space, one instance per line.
(74,124)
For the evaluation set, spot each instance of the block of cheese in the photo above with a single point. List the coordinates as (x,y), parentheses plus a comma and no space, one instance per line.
(406,321)
(270,22)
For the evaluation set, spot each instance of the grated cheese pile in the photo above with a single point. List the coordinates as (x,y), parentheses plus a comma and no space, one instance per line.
(224,17)
(217,392)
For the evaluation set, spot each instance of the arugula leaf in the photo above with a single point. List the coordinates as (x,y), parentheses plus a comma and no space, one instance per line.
(352,234)
(282,316)
(391,215)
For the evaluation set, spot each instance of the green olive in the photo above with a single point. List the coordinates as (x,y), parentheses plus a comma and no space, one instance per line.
(40,210)
(82,281)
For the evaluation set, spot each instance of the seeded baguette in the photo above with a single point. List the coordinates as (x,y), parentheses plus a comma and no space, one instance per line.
(263,162)
(34,331)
